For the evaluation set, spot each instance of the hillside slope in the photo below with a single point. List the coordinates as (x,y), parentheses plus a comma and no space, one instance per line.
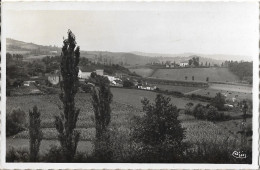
(200,74)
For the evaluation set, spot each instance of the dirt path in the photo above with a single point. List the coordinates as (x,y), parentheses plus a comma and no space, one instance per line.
(193,91)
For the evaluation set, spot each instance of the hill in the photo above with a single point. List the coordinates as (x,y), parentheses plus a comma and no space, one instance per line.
(200,74)
(33,51)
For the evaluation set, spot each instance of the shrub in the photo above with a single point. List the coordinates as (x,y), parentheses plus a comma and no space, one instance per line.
(54,155)
(218,101)
(17,155)
(159,132)
(15,122)
(128,83)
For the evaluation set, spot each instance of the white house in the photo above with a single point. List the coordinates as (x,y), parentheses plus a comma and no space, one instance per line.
(84,75)
(184,64)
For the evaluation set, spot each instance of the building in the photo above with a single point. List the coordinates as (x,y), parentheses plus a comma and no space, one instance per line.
(100,72)
(184,64)
(84,75)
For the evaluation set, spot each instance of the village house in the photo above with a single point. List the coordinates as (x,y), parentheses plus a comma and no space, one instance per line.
(184,64)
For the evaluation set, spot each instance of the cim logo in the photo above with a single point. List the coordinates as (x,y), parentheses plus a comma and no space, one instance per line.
(239,154)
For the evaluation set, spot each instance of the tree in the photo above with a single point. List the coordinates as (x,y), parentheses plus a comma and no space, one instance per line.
(128,83)
(101,100)
(159,130)
(66,123)
(35,133)
(219,101)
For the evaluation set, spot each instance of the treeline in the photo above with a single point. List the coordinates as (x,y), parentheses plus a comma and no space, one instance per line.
(244,70)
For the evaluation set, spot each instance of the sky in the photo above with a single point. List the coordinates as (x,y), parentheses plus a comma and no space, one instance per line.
(173,28)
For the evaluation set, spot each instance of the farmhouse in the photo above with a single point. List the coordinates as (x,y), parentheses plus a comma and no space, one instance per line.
(184,64)
(86,75)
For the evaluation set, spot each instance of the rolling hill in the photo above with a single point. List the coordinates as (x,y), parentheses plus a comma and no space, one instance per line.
(34,51)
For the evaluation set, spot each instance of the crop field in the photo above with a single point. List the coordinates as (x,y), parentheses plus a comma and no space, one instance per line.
(200,74)
(242,92)
(144,72)
(126,104)
(133,97)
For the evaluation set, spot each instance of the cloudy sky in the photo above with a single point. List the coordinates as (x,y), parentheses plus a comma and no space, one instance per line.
(209,28)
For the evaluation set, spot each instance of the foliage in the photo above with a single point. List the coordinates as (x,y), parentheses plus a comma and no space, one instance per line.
(66,123)
(128,83)
(101,100)
(195,61)
(219,101)
(159,129)
(15,122)
(35,133)
(208,112)
(244,70)
(17,155)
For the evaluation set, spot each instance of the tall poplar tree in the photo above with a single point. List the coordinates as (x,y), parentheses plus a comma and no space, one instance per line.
(66,123)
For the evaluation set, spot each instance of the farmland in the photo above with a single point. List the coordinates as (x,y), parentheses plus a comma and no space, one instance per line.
(200,74)
(126,104)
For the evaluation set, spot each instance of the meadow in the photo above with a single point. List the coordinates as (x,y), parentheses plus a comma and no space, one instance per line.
(200,74)
(126,104)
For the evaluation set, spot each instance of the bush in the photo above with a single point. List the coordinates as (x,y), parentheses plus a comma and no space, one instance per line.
(54,155)
(219,102)
(18,155)
(15,122)
(159,133)
(128,83)
(209,112)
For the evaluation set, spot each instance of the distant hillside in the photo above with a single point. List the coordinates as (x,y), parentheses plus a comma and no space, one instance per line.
(212,57)
(33,51)
(29,49)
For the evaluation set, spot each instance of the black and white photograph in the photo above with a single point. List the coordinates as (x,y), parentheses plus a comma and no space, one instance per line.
(139,83)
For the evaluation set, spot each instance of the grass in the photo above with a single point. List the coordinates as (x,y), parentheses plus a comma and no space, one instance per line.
(133,97)
(200,74)
(126,103)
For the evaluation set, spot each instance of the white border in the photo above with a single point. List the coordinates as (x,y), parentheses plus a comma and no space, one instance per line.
(117,6)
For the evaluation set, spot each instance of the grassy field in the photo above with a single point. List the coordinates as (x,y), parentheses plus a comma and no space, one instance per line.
(200,74)
(231,91)
(126,104)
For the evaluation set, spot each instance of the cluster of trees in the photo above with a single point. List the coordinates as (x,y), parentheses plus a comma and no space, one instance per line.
(244,70)
(211,112)
(194,61)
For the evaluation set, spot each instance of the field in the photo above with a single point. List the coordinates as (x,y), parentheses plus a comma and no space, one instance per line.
(231,91)
(126,104)
(200,74)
